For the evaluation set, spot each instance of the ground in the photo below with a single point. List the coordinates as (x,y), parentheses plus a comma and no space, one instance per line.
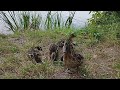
(101,61)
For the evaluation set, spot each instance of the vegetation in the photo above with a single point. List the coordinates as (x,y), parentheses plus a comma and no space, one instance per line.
(24,20)
(99,43)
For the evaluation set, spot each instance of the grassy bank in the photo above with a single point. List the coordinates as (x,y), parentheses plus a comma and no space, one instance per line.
(100,49)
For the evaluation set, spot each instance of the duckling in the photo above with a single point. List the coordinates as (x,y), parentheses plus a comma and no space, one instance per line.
(60,43)
(35,55)
(53,52)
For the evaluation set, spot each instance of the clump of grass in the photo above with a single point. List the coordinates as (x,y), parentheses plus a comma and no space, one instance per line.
(38,71)
(88,56)
(19,21)
(84,73)
(3,36)
(7,47)
(25,20)
(36,21)
(8,75)
(69,19)
(117,65)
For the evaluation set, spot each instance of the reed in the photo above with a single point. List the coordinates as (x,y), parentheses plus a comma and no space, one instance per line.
(25,20)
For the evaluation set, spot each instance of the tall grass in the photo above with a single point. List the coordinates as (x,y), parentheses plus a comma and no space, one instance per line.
(20,20)
(55,20)
(36,21)
(58,20)
(25,20)
(7,20)
(48,21)
(69,19)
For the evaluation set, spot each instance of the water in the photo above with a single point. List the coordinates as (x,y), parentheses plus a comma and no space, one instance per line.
(3,29)
(79,20)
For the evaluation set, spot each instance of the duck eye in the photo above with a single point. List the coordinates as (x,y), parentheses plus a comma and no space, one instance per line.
(31,55)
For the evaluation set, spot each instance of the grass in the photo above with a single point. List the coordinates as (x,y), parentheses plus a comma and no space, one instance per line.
(25,20)
(14,62)
(99,44)
(97,50)
(8,47)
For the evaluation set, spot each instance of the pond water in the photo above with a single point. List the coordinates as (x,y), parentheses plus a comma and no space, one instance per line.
(79,20)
